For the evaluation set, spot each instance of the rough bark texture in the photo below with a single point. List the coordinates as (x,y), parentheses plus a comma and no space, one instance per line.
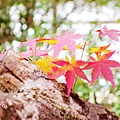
(27,94)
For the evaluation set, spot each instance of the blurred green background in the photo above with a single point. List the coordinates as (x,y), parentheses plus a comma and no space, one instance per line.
(30,18)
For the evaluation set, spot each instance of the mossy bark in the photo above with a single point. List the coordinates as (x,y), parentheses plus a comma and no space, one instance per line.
(27,94)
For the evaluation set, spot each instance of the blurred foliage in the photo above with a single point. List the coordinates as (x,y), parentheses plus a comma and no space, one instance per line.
(42,17)
(104,2)
(98,2)
(19,17)
(98,94)
(30,18)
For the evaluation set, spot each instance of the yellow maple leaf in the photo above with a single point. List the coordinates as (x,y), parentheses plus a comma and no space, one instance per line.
(100,49)
(45,65)
(72,61)
(49,41)
(77,47)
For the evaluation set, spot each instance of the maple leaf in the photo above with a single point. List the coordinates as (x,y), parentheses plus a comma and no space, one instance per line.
(51,41)
(101,66)
(66,40)
(29,53)
(46,65)
(100,49)
(70,79)
(2,54)
(54,41)
(77,47)
(113,34)
(31,43)
(70,69)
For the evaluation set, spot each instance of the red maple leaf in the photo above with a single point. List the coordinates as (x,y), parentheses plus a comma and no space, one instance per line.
(102,66)
(113,34)
(70,70)
(66,40)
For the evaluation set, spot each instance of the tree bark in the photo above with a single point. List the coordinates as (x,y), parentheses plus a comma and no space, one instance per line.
(27,94)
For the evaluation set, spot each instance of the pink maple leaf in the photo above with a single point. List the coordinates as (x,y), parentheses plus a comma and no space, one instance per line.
(113,34)
(66,40)
(31,43)
(29,53)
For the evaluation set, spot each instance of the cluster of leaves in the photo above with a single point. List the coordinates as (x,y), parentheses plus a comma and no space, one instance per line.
(69,66)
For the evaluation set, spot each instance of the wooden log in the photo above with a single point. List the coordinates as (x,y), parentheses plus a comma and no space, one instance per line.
(27,94)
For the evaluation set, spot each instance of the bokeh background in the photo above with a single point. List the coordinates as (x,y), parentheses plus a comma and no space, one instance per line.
(30,18)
